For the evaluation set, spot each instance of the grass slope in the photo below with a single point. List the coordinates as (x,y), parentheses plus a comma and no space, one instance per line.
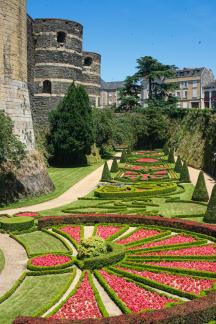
(63,179)
(33,294)
(40,242)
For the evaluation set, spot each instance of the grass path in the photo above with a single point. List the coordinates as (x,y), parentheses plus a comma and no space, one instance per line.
(62,178)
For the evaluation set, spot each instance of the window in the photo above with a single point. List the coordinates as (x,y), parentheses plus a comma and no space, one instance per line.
(184,84)
(47,86)
(61,37)
(194,104)
(178,94)
(88,61)
(185,94)
(194,84)
(194,95)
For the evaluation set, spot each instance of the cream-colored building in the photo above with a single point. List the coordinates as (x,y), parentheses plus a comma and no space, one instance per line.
(210,95)
(109,96)
(190,86)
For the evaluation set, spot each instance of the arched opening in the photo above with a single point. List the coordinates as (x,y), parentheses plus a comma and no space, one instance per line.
(47,86)
(61,37)
(88,61)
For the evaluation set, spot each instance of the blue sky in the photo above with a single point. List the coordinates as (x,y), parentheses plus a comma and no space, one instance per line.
(180,32)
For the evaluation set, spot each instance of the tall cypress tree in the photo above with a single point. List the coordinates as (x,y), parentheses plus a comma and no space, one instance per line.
(185,176)
(123,156)
(210,215)
(106,176)
(200,191)
(71,128)
(114,167)
(171,158)
(178,165)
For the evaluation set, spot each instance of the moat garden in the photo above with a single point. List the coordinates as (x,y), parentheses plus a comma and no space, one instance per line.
(140,247)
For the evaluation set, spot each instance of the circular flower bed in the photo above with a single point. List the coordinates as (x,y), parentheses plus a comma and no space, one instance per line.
(49,261)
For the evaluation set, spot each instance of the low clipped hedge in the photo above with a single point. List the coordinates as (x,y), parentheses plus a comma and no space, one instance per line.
(17,223)
(116,254)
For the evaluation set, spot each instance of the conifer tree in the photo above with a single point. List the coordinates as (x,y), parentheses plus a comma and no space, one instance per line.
(114,167)
(185,176)
(166,149)
(210,215)
(171,158)
(123,156)
(178,165)
(106,176)
(200,191)
(71,128)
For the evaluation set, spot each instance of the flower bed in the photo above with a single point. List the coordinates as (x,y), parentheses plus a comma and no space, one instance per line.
(133,296)
(193,265)
(73,231)
(81,305)
(138,235)
(106,231)
(28,214)
(146,160)
(183,283)
(50,261)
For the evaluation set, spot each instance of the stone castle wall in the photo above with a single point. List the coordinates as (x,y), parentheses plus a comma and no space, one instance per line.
(14,96)
(55,56)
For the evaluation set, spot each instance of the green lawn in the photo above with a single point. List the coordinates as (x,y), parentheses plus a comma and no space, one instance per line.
(40,242)
(63,179)
(2,260)
(34,296)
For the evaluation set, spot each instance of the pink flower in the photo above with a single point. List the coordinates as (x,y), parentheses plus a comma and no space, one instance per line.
(28,214)
(196,250)
(50,260)
(106,231)
(177,239)
(135,297)
(162,172)
(146,160)
(183,283)
(73,231)
(138,235)
(81,305)
(193,265)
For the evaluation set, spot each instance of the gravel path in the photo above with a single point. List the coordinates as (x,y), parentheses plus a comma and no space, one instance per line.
(80,189)
(15,262)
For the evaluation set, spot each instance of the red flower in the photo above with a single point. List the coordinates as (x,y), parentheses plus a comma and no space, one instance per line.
(28,214)
(73,231)
(146,160)
(194,265)
(50,260)
(138,235)
(106,231)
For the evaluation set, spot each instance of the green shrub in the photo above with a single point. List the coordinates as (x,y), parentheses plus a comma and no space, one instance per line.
(17,223)
(114,167)
(166,149)
(106,176)
(210,215)
(123,156)
(92,247)
(171,158)
(200,191)
(178,165)
(185,176)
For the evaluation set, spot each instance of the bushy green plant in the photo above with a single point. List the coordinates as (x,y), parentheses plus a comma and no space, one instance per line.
(185,176)
(92,247)
(114,167)
(106,176)
(123,156)
(210,215)
(200,191)
(166,149)
(178,165)
(171,158)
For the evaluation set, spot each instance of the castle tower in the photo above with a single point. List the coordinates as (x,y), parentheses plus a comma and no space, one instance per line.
(91,76)
(14,96)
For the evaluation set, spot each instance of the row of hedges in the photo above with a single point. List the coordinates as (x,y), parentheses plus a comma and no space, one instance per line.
(17,224)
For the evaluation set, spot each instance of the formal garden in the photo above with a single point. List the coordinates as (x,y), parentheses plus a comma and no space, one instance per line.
(139,246)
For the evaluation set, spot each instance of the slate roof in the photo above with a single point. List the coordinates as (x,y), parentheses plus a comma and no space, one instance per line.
(111,85)
(189,72)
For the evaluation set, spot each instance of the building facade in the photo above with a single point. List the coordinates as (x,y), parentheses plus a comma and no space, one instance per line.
(109,96)
(55,60)
(14,95)
(210,95)
(190,84)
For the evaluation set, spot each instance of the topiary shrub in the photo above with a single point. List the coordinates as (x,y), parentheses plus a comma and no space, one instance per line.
(200,191)
(185,176)
(210,215)
(114,167)
(106,176)
(166,149)
(171,158)
(178,165)
(92,247)
(123,156)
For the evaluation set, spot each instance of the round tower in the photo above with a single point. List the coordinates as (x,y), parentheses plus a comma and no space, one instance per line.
(91,76)
(58,62)
(14,96)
